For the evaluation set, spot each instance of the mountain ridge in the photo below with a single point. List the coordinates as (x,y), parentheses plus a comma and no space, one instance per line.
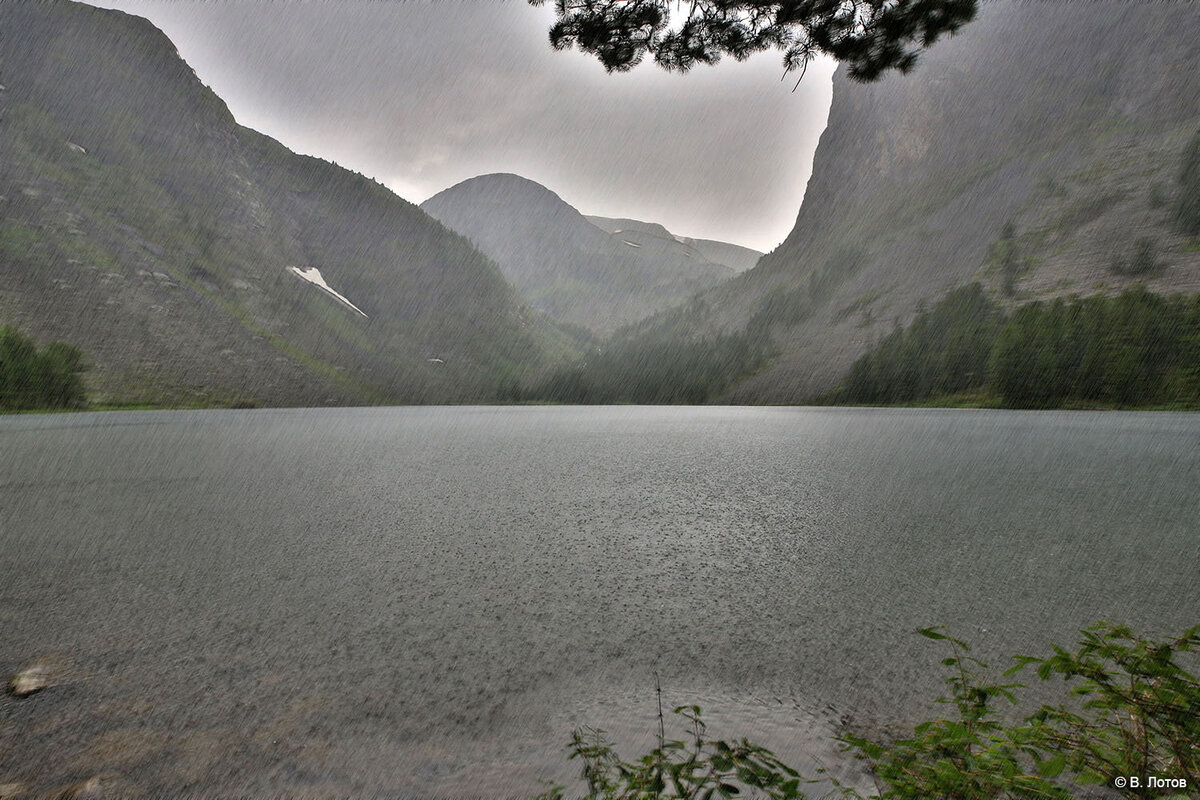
(1065,121)
(143,224)
(563,264)
(734,256)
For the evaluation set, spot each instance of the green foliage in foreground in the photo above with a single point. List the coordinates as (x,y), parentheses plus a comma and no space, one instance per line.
(697,767)
(1139,709)
(971,754)
(1135,349)
(33,379)
(1133,712)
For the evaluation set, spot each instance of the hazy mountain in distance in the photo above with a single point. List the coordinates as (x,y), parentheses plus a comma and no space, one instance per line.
(1055,132)
(195,260)
(563,264)
(734,256)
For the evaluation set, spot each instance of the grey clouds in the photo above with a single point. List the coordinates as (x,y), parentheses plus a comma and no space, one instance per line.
(422,95)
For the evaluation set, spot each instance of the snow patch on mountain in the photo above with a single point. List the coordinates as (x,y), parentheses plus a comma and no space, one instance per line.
(313,276)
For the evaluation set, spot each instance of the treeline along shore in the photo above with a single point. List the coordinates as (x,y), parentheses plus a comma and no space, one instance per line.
(1135,349)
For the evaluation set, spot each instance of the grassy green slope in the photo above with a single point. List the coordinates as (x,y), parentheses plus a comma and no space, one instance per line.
(142,224)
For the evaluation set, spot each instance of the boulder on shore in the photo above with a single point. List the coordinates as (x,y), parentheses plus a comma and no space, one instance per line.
(32,679)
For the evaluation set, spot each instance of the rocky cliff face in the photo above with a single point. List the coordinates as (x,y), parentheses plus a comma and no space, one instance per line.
(141,223)
(1066,120)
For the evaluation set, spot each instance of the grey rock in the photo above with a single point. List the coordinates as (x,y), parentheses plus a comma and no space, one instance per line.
(30,680)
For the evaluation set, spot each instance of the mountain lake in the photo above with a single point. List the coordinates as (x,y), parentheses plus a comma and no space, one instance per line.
(426,601)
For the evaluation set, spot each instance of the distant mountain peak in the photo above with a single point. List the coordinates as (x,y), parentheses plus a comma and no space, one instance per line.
(502,187)
(565,265)
(160,231)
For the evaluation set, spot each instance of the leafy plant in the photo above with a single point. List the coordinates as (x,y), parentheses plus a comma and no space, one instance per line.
(695,768)
(1133,712)
(970,756)
(1138,711)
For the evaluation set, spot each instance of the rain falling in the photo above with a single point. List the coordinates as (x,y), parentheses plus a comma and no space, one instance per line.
(396,396)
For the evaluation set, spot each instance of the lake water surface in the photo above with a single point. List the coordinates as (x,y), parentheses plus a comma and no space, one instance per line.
(428,600)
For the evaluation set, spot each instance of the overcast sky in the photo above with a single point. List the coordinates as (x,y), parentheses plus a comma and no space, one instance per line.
(423,95)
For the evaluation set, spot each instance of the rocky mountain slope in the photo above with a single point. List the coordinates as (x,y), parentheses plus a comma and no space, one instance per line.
(566,266)
(1050,132)
(141,223)
(734,256)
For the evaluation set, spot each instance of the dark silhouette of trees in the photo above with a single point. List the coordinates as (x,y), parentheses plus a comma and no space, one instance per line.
(1143,261)
(31,378)
(1135,349)
(944,351)
(656,370)
(870,36)
(1007,258)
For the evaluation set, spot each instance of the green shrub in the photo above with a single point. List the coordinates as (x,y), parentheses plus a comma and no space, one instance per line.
(680,769)
(31,378)
(1138,709)
(968,756)
(1133,711)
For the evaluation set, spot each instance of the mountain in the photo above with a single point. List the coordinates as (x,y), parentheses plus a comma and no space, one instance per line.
(195,260)
(1039,151)
(563,264)
(734,256)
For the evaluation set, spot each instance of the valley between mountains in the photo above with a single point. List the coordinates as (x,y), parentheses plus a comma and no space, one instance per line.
(195,261)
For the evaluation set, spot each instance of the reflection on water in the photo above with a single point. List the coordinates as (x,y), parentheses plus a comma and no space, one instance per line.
(428,600)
